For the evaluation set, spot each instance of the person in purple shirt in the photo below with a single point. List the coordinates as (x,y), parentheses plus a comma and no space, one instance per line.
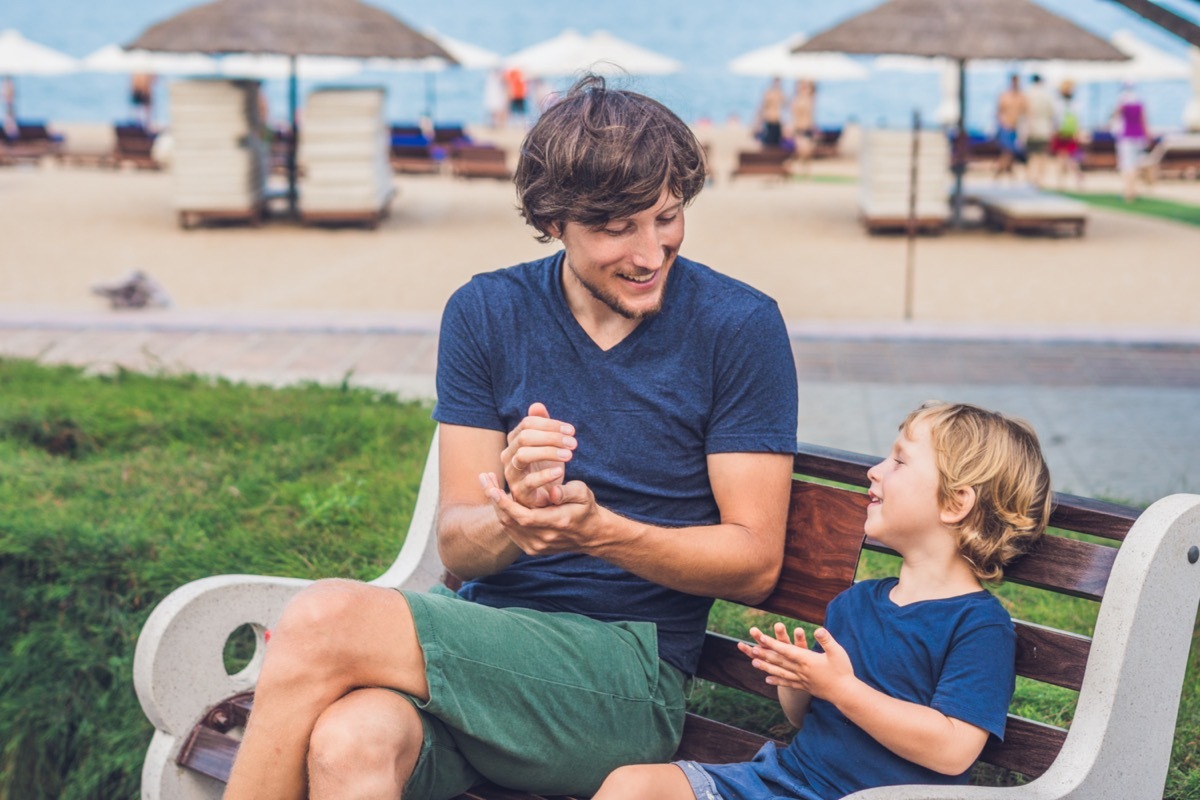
(911,675)
(1129,123)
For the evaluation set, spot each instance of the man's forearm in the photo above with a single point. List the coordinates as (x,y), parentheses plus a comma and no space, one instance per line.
(472,542)
(724,560)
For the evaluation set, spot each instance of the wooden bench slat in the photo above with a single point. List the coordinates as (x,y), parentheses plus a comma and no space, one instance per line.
(1051,656)
(1043,654)
(721,662)
(712,742)
(1029,747)
(208,752)
(824,538)
(1064,565)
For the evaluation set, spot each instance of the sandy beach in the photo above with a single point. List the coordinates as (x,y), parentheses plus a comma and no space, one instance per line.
(63,229)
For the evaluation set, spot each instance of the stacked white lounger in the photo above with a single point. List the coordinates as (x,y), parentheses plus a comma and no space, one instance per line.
(885,161)
(344,144)
(219,159)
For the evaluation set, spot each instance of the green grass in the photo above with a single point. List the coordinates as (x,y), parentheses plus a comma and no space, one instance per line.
(117,490)
(1148,206)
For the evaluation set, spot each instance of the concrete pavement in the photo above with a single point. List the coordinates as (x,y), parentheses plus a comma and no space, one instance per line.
(1119,420)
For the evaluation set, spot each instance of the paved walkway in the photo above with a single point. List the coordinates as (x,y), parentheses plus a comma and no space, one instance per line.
(1119,420)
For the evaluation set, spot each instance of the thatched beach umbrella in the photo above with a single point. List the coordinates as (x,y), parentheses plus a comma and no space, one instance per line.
(963,30)
(293,28)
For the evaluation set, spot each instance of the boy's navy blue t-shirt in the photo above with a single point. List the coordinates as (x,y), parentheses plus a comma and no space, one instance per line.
(711,373)
(955,655)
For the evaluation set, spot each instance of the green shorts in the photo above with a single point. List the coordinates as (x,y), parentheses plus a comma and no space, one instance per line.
(537,702)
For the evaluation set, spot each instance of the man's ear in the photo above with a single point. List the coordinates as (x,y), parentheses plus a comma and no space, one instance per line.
(959,506)
(554,229)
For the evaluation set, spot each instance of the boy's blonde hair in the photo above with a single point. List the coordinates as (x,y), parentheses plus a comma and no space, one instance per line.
(1000,458)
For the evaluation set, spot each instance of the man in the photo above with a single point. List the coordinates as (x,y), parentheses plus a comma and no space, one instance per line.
(1011,109)
(770,114)
(1040,128)
(617,424)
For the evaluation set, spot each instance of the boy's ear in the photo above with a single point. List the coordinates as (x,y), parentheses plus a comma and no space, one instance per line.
(959,506)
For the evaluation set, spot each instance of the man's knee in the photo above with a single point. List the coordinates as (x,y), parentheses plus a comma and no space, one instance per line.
(371,737)
(320,630)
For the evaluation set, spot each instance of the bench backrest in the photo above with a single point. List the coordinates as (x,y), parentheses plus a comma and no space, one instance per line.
(824,538)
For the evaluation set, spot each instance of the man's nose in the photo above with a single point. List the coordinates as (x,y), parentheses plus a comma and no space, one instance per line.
(648,248)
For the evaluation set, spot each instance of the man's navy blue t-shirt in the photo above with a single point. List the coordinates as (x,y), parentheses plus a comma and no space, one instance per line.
(711,373)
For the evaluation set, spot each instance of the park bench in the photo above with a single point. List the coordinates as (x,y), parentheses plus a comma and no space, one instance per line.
(1142,569)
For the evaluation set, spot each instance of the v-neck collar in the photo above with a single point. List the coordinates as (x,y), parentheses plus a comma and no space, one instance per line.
(576,331)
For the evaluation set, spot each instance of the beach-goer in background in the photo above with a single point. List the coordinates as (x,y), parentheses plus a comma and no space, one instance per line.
(141,97)
(910,675)
(495,99)
(546,374)
(1065,146)
(1129,127)
(517,90)
(770,114)
(542,95)
(803,120)
(1011,110)
(1040,124)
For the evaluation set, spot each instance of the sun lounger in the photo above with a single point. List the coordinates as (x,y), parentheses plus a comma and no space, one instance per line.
(1027,209)
(1099,152)
(218,161)
(30,143)
(134,146)
(344,149)
(769,161)
(450,135)
(479,161)
(1175,155)
(885,178)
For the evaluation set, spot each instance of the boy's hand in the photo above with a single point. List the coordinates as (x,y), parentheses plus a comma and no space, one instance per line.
(793,665)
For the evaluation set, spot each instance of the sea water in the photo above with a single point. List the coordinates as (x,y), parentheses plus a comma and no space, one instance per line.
(704,35)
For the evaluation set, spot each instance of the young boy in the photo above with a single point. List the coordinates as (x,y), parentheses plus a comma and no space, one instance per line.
(910,674)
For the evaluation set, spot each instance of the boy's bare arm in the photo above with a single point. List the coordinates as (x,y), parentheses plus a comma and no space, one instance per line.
(912,731)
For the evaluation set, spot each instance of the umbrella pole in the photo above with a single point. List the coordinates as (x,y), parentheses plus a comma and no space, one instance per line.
(910,264)
(958,160)
(293,93)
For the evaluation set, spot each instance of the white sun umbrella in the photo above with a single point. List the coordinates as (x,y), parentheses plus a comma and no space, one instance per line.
(272,66)
(779,60)
(114,58)
(20,56)
(468,56)
(600,52)
(1146,63)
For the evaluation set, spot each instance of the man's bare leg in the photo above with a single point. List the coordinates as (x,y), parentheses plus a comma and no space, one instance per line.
(364,747)
(335,636)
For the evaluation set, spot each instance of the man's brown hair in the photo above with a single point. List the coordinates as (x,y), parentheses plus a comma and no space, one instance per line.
(599,154)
